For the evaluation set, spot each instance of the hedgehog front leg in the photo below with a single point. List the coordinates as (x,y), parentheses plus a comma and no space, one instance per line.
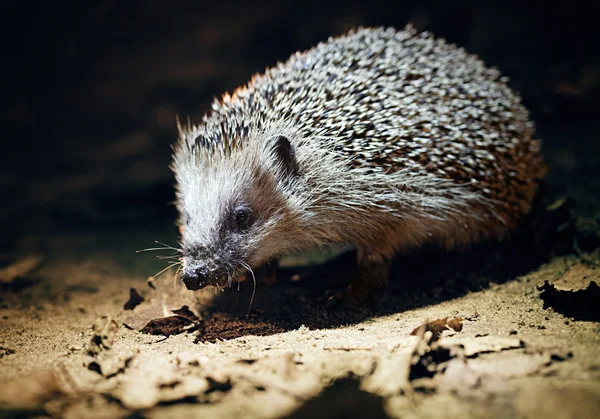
(370,280)
(268,273)
(265,274)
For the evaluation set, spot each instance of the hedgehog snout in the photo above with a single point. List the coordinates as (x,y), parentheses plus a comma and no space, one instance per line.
(197,275)
(194,278)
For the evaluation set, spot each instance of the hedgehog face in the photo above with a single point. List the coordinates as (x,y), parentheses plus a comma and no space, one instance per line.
(232,210)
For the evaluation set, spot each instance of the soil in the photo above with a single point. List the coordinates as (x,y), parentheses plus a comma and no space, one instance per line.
(506,329)
(500,353)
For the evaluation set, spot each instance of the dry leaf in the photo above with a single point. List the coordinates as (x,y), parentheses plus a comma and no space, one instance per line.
(184,320)
(436,327)
(135,299)
(161,304)
(455,324)
(111,364)
(105,330)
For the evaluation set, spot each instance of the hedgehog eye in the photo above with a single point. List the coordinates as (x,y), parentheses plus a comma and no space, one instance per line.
(241,217)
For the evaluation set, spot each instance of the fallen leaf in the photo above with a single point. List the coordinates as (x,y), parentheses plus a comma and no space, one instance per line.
(135,299)
(581,305)
(436,327)
(104,332)
(19,268)
(184,320)
(185,311)
(159,304)
(111,364)
(455,324)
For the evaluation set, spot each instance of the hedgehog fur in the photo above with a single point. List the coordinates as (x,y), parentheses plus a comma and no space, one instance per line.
(379,138)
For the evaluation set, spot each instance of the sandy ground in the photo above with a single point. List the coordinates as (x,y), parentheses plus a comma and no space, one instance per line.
(292,356)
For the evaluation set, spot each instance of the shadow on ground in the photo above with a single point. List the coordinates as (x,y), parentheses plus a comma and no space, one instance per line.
(299,297)
(425,277)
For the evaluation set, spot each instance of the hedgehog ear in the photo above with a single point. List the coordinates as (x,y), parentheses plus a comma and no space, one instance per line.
(285,152)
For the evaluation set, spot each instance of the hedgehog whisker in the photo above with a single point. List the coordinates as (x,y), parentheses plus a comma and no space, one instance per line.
(245,265)
(168,267)
(163,257)
(177,273)
(151,249)
(239,282)
(229,279)
(178,250)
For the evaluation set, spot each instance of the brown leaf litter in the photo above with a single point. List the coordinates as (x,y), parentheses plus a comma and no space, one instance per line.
(111,364)
(436,327)
(104,331)
(183,320)
(165,313)
(104,361)
(135,299)
(462,363)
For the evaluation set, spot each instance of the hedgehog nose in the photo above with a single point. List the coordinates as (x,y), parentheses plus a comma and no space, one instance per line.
(195,279)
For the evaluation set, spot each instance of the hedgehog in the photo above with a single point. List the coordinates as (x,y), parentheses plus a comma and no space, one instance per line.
(381,139)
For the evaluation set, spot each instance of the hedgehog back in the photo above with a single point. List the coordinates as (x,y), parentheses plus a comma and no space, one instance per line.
(392,100)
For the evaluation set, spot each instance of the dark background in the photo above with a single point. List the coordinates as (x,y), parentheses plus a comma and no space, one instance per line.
(91,91)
